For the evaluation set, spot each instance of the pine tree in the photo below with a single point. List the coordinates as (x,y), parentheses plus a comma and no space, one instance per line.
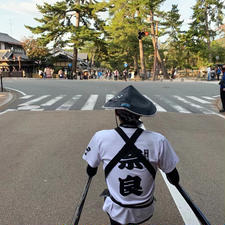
(206,13)
(70,23)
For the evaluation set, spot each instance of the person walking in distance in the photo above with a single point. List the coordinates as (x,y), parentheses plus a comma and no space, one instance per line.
(130,157)
(222,89)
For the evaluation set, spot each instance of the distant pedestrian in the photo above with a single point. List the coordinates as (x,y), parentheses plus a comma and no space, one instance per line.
(222,89)
(209,73)
(218,72)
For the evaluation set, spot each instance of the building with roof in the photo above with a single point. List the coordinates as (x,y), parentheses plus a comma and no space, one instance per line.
(13,57)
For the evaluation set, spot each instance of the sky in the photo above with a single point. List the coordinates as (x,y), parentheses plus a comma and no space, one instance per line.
(14,14)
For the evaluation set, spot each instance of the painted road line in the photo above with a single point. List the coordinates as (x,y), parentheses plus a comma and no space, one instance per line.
(200,108)
(53,101)
(158,107)
(186,212)
(208,98)
(13,89)
(7,110)
(90,103)
(26,96)
(216,96)
(175,106)
(198,100)
(108,97)
(67,105)
(34,100)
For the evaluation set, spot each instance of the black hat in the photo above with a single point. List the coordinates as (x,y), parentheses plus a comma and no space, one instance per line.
(133,101)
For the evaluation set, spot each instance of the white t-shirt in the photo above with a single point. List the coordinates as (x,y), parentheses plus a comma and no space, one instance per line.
(129,182)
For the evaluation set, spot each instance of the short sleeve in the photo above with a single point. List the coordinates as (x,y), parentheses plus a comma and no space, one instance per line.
(91,154)
(167,157)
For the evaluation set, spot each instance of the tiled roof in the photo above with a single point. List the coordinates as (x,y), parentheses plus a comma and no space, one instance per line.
(7,39)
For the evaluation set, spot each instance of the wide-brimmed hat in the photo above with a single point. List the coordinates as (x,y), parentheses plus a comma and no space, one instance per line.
(133,101)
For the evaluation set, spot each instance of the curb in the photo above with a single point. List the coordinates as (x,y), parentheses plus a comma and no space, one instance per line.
(6,99)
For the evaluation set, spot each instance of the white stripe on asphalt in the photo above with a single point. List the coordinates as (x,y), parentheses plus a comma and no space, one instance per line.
(13,89)
(208,98)
(26,97)
(53,101)
(200,108)
(7,110)
(67,105)
(215,96)
(175,106)
(186,212)
(90,103)
(158,107)
(198,100)
(34,100)
(108,97)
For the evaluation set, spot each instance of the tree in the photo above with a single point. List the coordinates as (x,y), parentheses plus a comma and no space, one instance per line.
(35,50)
(58,24)
(205,14)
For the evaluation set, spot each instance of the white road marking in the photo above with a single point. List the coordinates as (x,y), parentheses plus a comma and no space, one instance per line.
(175,106)
(26,97)
(185,211)
(34,100)
(67,105)
(53,101)
(28,107)
(200,108)
(13,89)
(90,103)
(215,96)
(108,97)
(158,107)
(198,100)
(208,98)
(7,110)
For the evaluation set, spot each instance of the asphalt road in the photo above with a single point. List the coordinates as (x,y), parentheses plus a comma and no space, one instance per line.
(63,95)
(42,174)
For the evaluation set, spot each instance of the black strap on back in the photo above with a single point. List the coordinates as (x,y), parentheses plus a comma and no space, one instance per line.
(129,146)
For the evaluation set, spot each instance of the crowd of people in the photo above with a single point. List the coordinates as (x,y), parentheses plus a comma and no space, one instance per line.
(214,73)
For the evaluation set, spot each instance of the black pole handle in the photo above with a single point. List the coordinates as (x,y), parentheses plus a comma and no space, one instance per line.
(196,210)
(81,205)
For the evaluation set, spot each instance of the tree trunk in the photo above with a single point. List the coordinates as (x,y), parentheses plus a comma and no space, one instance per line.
(135,63)
(158,63)
(75,51)
(207,32)
(143,71)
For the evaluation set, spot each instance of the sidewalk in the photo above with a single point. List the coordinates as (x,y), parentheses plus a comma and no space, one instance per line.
(5,97)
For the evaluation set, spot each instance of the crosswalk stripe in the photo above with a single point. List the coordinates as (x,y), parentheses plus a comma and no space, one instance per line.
(158,107)
(90,103)
(53,101)
(175,106)
(198,99)
(200,108)
(108,97)
(34,100)
(26,96)
(208,98)
(67,105)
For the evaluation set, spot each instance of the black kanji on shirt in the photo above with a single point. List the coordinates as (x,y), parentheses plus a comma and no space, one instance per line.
(130,162)
(88,149)
(130,185)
